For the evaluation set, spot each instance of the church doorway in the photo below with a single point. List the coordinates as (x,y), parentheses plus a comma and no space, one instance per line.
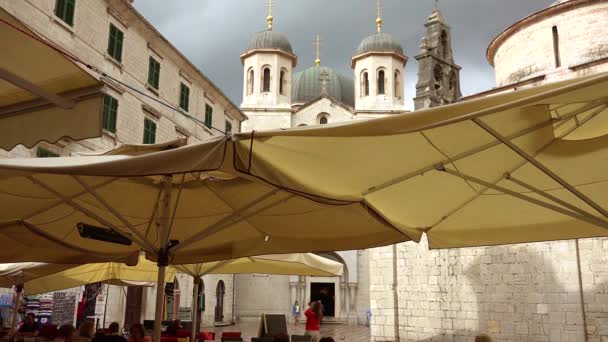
(326,293)
(220,291)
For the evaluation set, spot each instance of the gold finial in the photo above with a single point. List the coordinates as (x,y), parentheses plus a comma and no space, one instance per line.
(318,46)
(379,19)
(270,17)
(436,5)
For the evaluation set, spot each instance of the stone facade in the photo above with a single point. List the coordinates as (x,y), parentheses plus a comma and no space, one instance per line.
(553,291)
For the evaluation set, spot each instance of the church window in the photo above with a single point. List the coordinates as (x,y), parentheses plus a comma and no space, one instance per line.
(444,45)
(250,82)
(398,92)
(282,82)
(220,291)
(558,61)
(365,84)
(184,97)
(115,43)
(323,119)
(438,74)
(64,10)
(266,80)
(381,81)
(44,153)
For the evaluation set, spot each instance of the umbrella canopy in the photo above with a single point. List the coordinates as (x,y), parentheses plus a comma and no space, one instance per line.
(43,95)
(41,278)
(525,166)
(307,264)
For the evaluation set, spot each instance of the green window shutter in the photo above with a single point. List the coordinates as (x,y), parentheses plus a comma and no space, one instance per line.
(228,127)
(149,131)
(64,10)
(184,97)
(208,115)
(153,73)
(44,153)
(110,112)
(115,43)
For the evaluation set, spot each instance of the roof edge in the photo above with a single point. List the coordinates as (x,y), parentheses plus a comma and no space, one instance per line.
(355,58)
(291,56)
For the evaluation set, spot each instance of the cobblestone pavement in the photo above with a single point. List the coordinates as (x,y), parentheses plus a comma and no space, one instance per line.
(340,332)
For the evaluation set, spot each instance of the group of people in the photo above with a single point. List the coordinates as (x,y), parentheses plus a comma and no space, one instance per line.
(86,332)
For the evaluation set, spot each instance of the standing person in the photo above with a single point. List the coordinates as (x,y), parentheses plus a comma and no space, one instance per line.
(295,312)
(313,317)
(29,328)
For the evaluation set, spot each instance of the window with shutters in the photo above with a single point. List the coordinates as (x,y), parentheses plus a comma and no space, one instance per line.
(184,97)
(153,73)
(149,131)
(64,10)
(115,43)
(228,126)
(110,111)
(208,115)
(556,55)
(250,82)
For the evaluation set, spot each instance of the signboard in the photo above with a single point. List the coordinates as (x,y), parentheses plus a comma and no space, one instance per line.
(272,325)
(64,307)
(185,314)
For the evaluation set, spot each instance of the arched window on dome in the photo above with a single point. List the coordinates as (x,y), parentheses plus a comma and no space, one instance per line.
(365,84)
(323,119)
(266,80)
(283,82)
(381,82)
(558,61)
(398,91)
(250,79)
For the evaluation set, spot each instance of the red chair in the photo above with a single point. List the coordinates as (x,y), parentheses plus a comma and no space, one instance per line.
(206,336)
(182,333)
(48,331)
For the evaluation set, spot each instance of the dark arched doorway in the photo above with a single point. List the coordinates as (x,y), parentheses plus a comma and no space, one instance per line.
(200,305)
(220,292)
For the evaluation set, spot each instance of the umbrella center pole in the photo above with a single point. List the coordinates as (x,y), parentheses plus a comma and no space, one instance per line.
(163,262)
(19,293)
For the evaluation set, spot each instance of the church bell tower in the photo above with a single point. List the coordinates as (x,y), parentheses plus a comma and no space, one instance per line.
(438,75)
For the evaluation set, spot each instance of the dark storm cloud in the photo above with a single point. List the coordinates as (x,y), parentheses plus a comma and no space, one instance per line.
(213,33)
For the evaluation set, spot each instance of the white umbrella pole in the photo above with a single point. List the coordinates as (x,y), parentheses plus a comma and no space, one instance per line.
(19,289)
(160,291)
(194,307)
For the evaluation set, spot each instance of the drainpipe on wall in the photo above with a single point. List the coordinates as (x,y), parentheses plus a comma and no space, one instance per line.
(395,293)
(580,286)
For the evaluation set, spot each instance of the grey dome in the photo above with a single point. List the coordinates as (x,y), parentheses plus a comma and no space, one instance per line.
(269,40)
(380,42)
(307,85)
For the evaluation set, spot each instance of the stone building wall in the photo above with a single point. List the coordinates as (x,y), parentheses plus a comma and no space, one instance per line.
(583,37)
(527,292)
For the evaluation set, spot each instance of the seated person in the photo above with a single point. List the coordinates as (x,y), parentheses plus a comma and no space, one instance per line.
(173,328)
(112,334)
(29,328)
(66,333)
(87,330)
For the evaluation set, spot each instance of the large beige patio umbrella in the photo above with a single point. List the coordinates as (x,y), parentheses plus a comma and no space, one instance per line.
(517,167)
(523,166)
(305,264)
(181,206)
(43,94)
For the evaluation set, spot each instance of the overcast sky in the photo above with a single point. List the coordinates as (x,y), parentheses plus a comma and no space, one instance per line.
(213,33)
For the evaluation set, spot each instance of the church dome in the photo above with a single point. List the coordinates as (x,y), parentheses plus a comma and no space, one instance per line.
(269,39)
(380,42)
(308,85)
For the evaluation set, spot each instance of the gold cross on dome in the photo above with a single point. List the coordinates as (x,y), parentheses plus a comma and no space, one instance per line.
(269,18)
(379,12)
(317,45)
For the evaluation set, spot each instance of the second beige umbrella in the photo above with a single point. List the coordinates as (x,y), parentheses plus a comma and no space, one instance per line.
(305,264)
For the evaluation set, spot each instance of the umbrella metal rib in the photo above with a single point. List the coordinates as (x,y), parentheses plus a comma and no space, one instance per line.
(540,166)
(592,220)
